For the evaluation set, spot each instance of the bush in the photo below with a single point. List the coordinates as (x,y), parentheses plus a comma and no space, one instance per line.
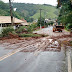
(21,29)
(68,26)
(6,31)
(28,29)
(31,27)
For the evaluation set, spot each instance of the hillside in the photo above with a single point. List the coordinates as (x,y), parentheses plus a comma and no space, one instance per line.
(32,10)
(47,12)
(5,10)
(28,11)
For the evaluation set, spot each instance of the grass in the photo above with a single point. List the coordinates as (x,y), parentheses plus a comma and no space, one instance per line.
(31,35)
(49,11)
(66,30)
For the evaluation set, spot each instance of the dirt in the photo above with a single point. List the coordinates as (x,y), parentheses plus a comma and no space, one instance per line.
(32,44)
(50,46)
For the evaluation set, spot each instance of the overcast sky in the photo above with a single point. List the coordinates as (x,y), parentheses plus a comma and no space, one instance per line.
(51,2)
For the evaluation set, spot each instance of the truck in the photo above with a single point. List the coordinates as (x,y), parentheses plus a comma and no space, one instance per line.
(57,28)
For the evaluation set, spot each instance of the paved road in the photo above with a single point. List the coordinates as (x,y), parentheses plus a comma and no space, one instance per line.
(43,61)
(28,62)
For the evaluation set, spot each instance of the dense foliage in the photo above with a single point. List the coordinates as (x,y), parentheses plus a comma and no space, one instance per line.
(31,11)
(60,2)
(65,16)
(5,10)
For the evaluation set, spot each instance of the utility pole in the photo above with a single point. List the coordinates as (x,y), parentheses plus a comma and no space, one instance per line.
(44,15)
(11,12)
(40,18)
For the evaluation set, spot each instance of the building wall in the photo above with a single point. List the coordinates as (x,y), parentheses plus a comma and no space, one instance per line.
(1,29)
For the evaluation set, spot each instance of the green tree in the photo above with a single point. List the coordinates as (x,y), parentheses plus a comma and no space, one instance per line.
(40,21)
(65,15)
(61,1)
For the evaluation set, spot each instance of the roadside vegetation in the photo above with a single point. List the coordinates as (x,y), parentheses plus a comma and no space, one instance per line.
(27,31)
(43,22)
(32,35)
(6,31)
(23,31)
(65,15)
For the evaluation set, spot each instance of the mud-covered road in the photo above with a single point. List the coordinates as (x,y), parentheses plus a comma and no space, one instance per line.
(49,31)
(46,54)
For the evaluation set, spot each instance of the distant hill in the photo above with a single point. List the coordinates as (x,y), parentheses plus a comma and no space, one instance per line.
(5,10)
(32,10)
(28,11)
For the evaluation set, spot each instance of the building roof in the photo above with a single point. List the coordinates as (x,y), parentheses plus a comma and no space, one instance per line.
(7,19)
(24,20)
(24,24)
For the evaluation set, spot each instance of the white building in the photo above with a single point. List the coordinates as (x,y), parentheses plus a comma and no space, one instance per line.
(5,21)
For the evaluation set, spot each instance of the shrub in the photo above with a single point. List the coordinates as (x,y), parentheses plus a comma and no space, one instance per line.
(21,29)
(31,27)
(28,29)
(69,26)
(6,31)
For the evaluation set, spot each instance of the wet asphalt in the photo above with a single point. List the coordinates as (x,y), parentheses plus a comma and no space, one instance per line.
(47,61)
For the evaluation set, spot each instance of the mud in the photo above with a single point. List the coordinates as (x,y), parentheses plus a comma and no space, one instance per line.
(49,31)
(32,44)
(46,54)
